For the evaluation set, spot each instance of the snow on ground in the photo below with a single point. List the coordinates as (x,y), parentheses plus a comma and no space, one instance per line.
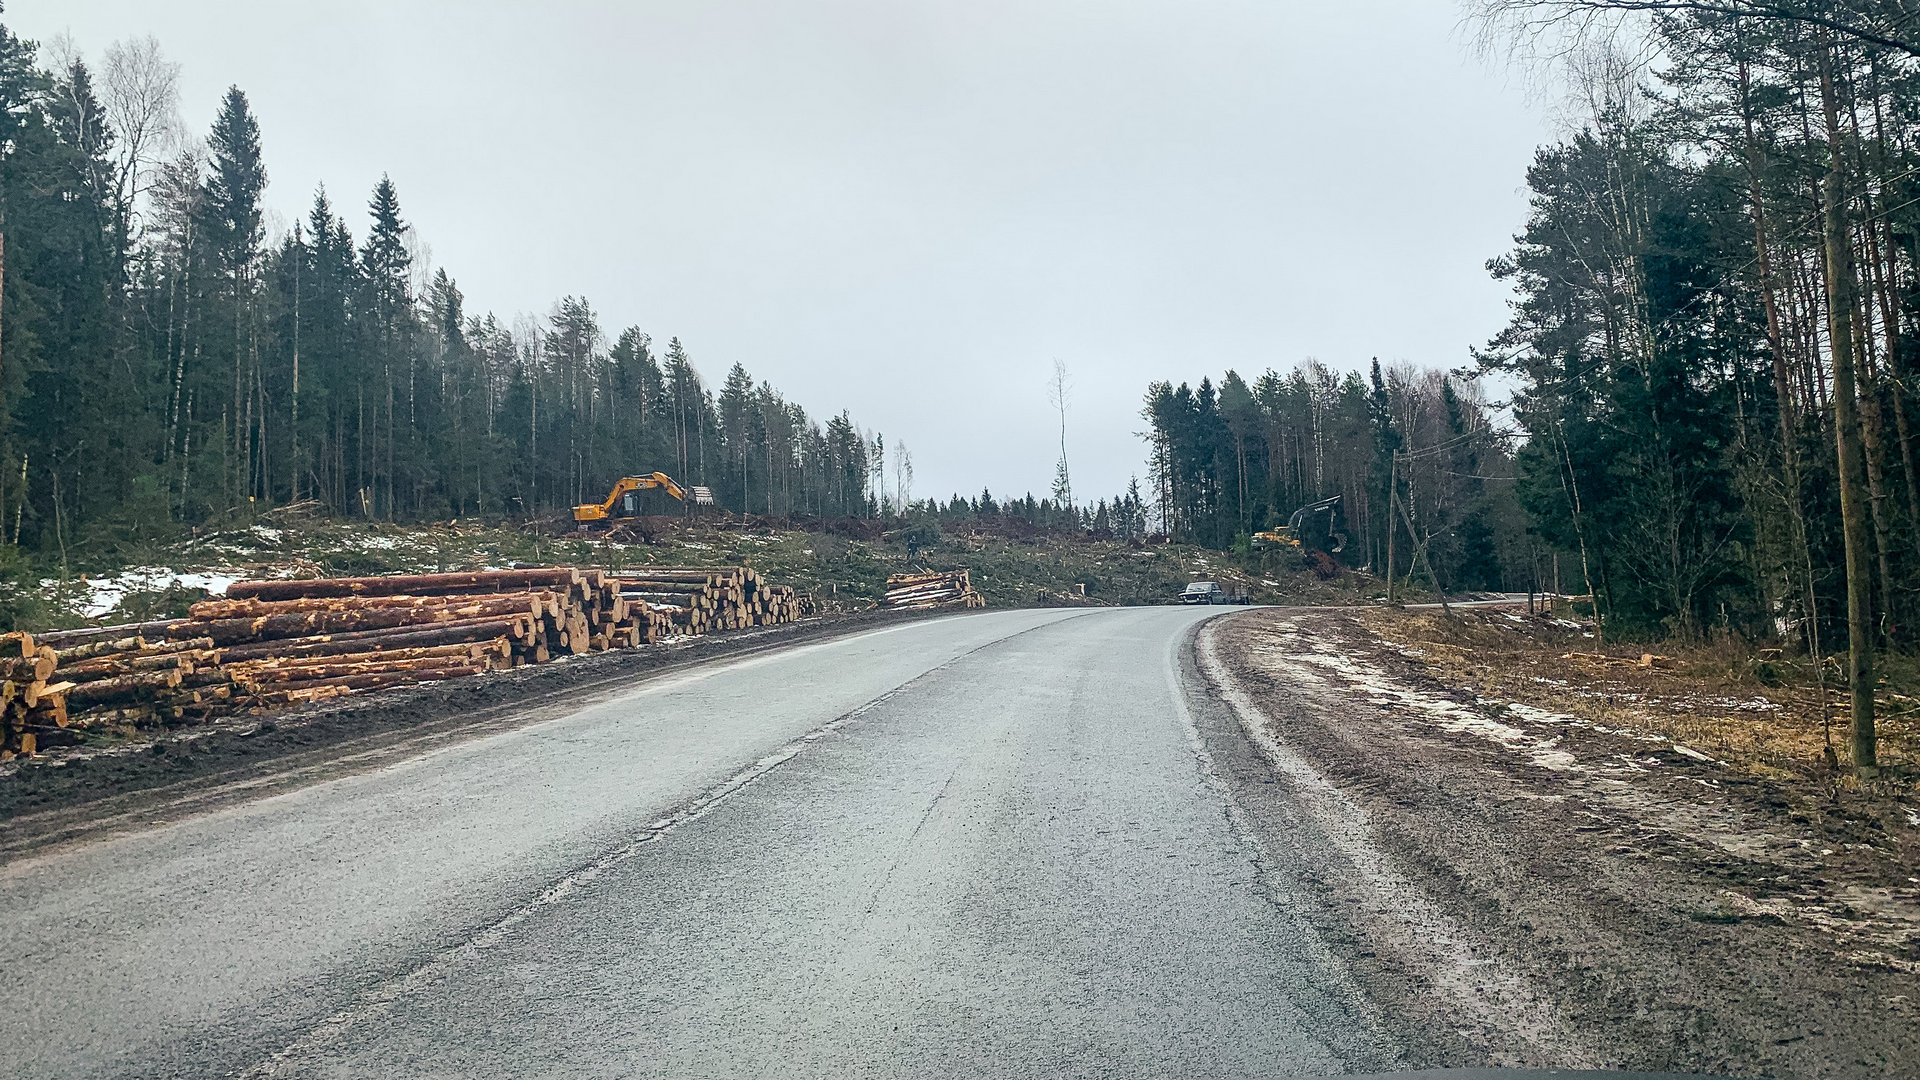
(103,594)
(1314,659)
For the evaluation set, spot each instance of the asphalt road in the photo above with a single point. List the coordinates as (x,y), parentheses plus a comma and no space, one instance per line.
(990,845)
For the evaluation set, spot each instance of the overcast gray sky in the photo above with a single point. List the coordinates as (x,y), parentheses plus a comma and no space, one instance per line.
(909,209)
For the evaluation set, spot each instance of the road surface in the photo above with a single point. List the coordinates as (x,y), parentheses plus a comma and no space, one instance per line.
(996,844)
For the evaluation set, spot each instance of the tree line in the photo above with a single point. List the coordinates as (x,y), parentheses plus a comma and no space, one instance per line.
(164,361)
(1711,366)
(1422,472)
(1719,310)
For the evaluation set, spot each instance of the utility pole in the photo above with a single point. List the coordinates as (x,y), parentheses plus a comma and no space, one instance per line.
(1393,502)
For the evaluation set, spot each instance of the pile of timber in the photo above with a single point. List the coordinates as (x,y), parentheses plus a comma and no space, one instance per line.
(276,643)
(944,588)
(60,683)
(693,600)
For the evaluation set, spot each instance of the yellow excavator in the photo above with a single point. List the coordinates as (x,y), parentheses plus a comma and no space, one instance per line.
(624,500)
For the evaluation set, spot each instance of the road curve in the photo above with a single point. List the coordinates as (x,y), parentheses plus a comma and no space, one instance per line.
(983,845)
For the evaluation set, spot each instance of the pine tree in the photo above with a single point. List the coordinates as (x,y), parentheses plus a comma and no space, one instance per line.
(233,228)
(385,310)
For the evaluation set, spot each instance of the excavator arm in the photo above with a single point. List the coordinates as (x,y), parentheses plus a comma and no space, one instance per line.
(606,509)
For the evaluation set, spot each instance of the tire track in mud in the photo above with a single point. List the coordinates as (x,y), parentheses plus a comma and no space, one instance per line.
(1495,1010)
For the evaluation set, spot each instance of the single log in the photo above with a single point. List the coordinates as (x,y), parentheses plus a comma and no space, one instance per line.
(310,672)
(132,715)
(381,680)
(61,639)
(49,713)
(76,653)
(250,608)
(474,651)
(270,627)
(108,667)
(301,695)
(213,676)
(33,668)
(448,633)
(403,583)
(124,688)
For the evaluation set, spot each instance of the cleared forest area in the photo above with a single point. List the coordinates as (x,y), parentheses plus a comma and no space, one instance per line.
(842,564)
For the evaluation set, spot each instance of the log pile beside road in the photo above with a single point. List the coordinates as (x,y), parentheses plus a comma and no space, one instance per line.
(943,588)
(698,600)
(276,643)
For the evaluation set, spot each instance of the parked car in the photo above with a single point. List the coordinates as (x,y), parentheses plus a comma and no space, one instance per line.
(1205,592)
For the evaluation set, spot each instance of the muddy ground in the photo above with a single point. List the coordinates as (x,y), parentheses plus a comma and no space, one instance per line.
(78,792)
(1524,886)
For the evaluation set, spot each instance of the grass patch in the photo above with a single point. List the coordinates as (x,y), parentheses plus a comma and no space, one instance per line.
(1760,712)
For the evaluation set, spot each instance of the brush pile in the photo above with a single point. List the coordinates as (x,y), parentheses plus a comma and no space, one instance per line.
(944,588)
(277,643)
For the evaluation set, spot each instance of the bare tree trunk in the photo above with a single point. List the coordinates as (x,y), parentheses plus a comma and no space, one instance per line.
(1839,258)
(1782,386)
(293,421)
(3,257)
(1873,442)
(1571,483)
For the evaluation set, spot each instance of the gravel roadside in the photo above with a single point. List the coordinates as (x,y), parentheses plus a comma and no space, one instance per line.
(1514,889)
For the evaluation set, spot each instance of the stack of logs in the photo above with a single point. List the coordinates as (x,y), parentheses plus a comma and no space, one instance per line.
(940,589)
(698,600)
(276,643)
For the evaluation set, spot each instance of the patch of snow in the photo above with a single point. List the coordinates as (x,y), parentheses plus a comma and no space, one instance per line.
(105,593)
(1444,713)
(1539,716)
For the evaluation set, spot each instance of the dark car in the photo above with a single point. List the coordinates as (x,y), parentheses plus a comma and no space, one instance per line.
(1205,592)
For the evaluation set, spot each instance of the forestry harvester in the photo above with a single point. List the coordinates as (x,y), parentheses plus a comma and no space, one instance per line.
(1317,526)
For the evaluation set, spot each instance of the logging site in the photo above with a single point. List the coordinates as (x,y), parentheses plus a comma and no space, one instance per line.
(298,609)
(1136,540)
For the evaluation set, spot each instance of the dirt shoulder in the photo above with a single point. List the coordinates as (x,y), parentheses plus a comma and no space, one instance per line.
(84,792)
(1524,879)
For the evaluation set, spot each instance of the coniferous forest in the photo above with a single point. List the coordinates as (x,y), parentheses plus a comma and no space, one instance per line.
(164,361)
